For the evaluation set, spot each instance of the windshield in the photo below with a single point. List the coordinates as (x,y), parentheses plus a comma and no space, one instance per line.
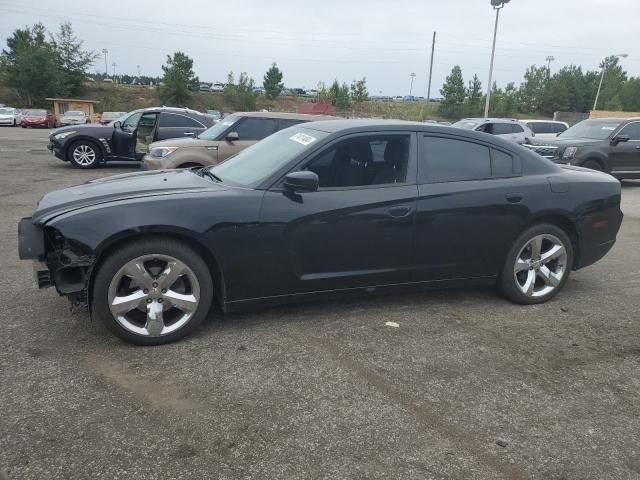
(73,113)
(595,129)
(255,164)
(213,133)
(466,124)
(35,113)
(7,111)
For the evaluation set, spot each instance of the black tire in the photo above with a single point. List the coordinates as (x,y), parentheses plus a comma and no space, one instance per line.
(151,246)
(593,165)
(84,146)
(508,281)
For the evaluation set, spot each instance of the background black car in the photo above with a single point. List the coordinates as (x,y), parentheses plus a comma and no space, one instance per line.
(86,146)
(317,210)
(609,145)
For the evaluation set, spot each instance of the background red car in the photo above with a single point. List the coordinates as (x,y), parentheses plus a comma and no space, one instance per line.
(37,118)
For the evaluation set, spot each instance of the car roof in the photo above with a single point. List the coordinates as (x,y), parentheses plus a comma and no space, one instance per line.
(335,125)
(490,119)
(286,115)
(615,119)
(543,121)
(171,110)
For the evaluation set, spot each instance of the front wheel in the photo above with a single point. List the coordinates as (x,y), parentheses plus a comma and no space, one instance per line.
(593,165)
(538,265)
(84,154)
(153,291)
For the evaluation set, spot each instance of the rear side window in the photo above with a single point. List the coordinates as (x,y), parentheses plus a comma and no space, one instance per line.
(540,127)
(501,164)
(251,128)
(177,121)
(498,128)
(288,122)
(450,160)
(517,128)
(559,128)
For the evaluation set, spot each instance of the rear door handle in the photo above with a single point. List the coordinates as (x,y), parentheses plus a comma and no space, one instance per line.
(514,197)
(399,211)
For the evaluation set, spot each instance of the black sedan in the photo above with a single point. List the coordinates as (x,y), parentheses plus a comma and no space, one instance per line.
(317,210)
(128,138)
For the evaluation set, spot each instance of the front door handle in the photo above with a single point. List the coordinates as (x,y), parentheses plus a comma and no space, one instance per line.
(514,197)
(400,211)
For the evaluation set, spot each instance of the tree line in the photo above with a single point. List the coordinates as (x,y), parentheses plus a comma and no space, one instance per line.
(570,89)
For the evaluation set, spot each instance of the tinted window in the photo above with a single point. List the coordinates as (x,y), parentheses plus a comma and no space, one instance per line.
(633,130)
(255,128)
(499,128)
(559,128)
(173,120)
(130,123)
(450,160)
(287,122)
(517,128)
(541,127)
(501,163)
(363,161)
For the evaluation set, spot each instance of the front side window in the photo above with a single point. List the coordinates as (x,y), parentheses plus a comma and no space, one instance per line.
(177,121)
(450,160)
(130,123)
(252,128)
(363,161)
(633,130)
(216,131)
(498,128)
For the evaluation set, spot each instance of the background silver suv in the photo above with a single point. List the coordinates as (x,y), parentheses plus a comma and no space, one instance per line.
(506,128)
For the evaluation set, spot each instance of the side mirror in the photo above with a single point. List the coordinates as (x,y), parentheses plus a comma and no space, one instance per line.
(232,137)
(303,181)
(117,124)
(620,139)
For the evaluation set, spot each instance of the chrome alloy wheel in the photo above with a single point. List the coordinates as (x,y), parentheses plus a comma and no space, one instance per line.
(540,266)
(84,155)
(154,295)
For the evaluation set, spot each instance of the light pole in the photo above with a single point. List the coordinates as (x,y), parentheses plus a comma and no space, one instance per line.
(497,6)
(605,65)
(413,75)
(138,71)
(549,59)
(106,70)
(114,64)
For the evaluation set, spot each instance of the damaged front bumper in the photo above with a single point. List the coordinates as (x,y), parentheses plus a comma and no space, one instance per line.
(56,261)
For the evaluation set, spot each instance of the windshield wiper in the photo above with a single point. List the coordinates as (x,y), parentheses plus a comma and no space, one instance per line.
(205,172)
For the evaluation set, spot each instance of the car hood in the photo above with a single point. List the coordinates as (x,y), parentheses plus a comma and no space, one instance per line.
(184,142)
(121,187)
(565,142)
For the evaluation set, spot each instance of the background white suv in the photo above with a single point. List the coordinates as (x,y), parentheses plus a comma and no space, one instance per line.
(545,129)
(506,128)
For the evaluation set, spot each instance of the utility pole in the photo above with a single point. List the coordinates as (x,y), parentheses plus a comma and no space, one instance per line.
(549,59)
(605,66)
(497,6)
(106,69)
(433,46)
(413,75)
(114,70)
(138,70)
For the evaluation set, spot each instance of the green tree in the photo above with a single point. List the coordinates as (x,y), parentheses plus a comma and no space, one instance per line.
(630,95)
(272,82)
(359,92)
(612,84)
(453,94)
(73,60)
(533,90)
(240,96)
(338,95)
(28,65)
(473,100)
(179,80)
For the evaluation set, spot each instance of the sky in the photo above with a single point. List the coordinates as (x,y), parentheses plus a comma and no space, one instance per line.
(382,40)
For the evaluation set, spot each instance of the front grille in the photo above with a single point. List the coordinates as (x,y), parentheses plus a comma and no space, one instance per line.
(547,151)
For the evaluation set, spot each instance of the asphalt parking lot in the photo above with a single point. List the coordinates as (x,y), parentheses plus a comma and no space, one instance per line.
(469,386)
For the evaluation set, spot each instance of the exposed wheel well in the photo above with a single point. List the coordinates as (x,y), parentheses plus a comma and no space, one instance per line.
(567,226)
(210,260)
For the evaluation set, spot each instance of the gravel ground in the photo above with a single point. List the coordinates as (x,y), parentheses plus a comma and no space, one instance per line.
(469,386)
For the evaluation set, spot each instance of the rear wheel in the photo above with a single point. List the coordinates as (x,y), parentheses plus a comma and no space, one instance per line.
(153,291)
(538,265)
(84,154)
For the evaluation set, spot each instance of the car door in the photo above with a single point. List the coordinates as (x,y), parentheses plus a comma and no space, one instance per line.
(177,125)
(356,230)
(145,133)
(471,202)
(625,156)
(123,139)
(249,130)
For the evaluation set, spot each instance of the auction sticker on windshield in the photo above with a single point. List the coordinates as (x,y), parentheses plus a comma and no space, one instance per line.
(303,138)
